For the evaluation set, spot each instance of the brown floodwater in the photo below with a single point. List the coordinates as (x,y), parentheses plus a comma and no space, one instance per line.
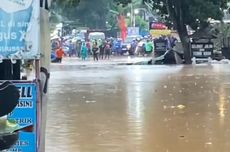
(139,109)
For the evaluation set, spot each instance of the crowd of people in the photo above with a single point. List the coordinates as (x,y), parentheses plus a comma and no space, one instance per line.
(98,49)
(102,49)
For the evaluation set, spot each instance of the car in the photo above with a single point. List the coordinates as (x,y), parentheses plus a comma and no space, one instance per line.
(127,44)
(96,36)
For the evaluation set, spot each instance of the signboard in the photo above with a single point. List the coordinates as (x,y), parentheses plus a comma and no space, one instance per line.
(133,31)
(160,46)
(25,115)
(157,26)
(19,29)
(202,50)
(158,33)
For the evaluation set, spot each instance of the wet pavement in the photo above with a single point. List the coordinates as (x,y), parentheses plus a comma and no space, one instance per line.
(139,108)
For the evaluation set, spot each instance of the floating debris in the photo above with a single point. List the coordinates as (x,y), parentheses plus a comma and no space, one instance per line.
(93,101)
(173,107)
(182,136)
(208,143)
(165,120)
(180,106)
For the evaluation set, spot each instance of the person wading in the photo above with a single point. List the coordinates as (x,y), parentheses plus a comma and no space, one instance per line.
(102,51)
(95,52)
(59,54)
(83,51)
(88,45)
(107,50)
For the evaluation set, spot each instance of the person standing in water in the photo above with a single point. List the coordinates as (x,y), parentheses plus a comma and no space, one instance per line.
(95,52)
(83,51)
(59,55)
(107,50)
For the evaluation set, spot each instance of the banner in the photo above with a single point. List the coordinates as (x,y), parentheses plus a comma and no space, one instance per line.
(158,33)
(157,26)
(25,115)
(133,31)
(123,28)
(19,29)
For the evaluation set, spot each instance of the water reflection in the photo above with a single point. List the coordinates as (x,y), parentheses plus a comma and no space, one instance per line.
(134,111)
(221,105)
(135,107)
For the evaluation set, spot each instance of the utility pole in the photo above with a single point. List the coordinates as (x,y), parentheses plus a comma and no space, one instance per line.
(132,16)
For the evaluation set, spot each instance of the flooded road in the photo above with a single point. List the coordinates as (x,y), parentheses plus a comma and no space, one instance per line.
(139,109)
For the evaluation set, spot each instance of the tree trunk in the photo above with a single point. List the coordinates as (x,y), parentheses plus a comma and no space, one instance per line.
(185,43)
(176,14)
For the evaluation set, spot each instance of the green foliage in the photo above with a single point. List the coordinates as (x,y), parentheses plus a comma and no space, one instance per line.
(95,13)
(222,31)
(61,8)
(140,22)
(66,3)
(88,13)
(191,12)
(123,2)
(99,14)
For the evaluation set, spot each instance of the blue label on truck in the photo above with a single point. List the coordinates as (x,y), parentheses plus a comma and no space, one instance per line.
(25,114)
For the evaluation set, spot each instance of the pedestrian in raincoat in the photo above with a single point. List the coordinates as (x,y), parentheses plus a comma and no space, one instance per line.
(102,51)
(88,45)
(59,54)
(148,47)
(83,51)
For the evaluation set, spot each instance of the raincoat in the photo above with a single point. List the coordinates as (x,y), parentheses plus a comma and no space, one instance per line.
(149,47)
(83,51)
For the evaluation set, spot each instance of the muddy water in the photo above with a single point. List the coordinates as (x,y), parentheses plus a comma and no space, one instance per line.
(139,109)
